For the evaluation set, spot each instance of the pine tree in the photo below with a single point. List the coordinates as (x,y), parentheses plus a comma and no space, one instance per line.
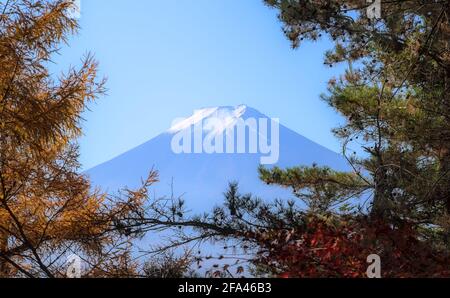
(395,101)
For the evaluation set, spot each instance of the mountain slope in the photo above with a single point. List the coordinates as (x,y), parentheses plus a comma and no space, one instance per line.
(202,178)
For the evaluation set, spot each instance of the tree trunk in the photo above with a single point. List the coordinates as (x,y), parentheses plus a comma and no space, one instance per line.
(4,266)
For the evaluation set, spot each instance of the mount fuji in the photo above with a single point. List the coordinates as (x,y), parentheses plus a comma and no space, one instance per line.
(201,178)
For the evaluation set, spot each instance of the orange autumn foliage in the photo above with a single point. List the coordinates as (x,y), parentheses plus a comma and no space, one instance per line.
(47,208)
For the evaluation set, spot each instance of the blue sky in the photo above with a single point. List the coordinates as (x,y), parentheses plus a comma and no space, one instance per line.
(163,59)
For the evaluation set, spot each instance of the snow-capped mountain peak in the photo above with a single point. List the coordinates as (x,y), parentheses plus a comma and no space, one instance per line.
(202,177)
(226,115)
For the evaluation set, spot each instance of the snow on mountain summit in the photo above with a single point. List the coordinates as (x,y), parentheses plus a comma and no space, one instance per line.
(227,115)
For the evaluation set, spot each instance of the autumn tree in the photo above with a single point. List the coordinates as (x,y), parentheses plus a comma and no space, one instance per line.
(395,201)
(47,208)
